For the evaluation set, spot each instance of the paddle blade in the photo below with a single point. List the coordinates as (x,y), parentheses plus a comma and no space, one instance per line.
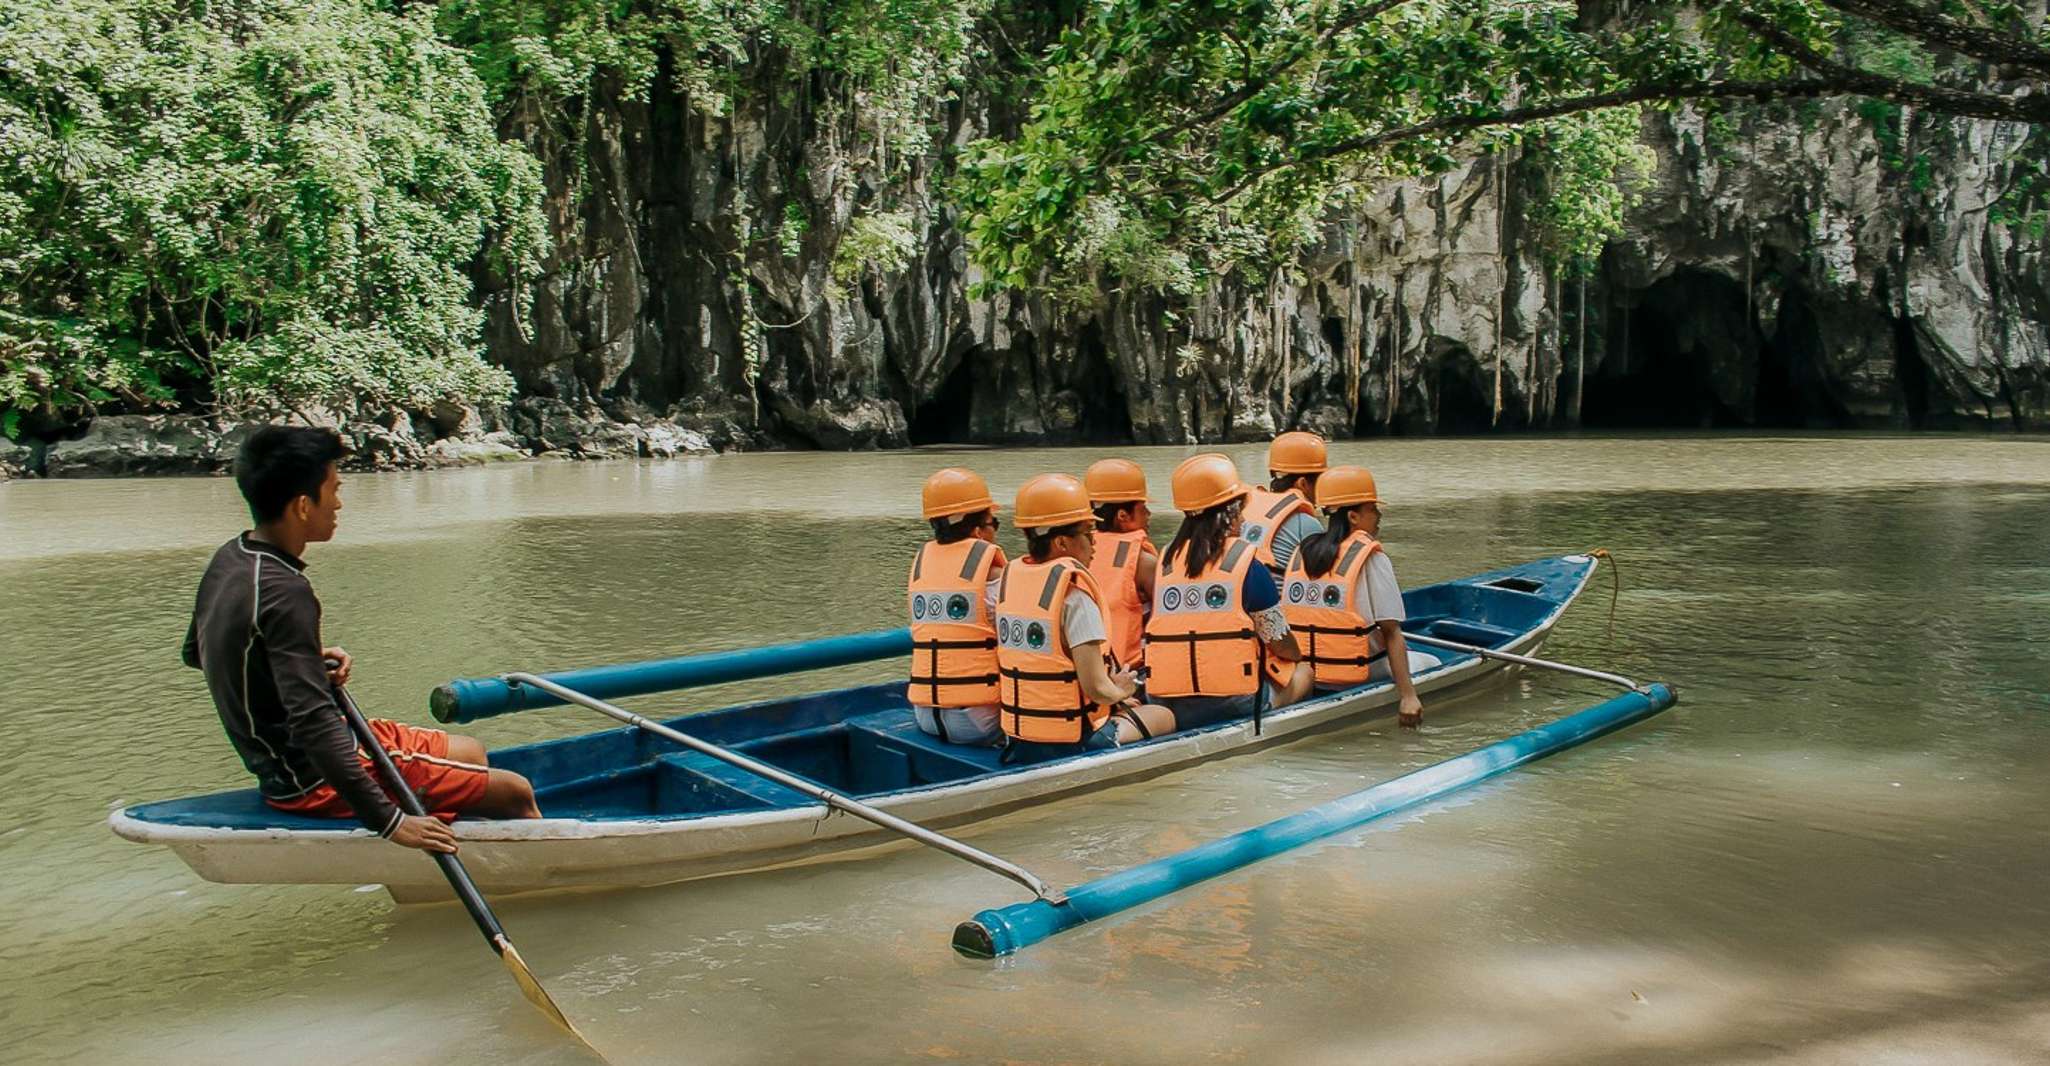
(530,987)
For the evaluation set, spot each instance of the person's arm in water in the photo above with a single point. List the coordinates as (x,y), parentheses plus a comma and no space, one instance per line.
(1385,607)
(1412,713)
(1097,682)
(290,618)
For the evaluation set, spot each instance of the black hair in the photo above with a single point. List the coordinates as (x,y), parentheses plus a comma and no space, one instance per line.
(1319,551)
(1037,544)
(1107,513)
(1202,535)
(1285,482)
(279,464)
(959,527)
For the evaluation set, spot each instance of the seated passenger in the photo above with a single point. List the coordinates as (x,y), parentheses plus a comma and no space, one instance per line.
(1280,516)
(1058,680)
(1217,646)
(1126,559)
(1341,596)
(953,690)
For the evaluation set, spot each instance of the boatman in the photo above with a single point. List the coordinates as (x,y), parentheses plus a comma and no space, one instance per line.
(1126,559)
(1342,600)
(1217,645)
(1279,517)
(1058,680)
(953,589)
(256,634)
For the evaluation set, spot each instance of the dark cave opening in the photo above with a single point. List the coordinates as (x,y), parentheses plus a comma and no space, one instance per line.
(1660,358)
(1105,416)
(1793,389)
(1463,401)
(1688,353)
(948,417)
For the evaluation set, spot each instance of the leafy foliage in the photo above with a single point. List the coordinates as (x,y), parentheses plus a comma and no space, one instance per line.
(252,202)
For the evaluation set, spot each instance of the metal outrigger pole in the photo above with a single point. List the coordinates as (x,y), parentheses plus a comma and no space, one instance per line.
(928,837)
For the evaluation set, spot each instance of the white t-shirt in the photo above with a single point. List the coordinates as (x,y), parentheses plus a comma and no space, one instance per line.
(1376,593)
(1081,620)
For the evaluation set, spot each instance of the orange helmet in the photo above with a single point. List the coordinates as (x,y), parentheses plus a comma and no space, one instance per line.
(1204,481)
(1296,452)
(1049,501)
(1345,486)
(1115,481)
(953,492)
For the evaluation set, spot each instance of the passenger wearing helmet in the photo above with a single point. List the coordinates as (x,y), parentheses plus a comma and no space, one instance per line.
(1126,559)
(1342,599)
(1057,678)
(953,595)
(1281,515)
(1217,645)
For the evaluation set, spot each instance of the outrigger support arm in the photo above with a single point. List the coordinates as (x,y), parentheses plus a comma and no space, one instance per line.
(830,798)
(1618,680)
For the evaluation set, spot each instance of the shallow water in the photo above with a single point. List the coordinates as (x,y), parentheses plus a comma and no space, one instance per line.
(1834,850)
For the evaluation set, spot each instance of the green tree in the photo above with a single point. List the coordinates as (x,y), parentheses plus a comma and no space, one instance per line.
(1206,134)
(246,203)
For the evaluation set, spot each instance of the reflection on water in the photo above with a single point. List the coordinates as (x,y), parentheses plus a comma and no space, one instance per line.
(1834,849)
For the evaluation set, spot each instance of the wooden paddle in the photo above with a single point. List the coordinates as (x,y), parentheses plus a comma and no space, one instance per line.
(458,877)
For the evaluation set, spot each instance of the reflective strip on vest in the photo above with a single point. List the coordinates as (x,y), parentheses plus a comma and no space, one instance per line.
(1200,640)
(1039,695)
(953,643)
(1116,570)
(1338,642)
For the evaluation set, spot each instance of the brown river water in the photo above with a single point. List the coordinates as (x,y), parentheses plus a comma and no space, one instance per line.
(1835,850)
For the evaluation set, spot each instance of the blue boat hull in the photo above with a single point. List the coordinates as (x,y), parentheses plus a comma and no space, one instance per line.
(626,808)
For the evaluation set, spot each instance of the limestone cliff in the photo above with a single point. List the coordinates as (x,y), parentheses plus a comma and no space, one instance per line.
(1783,268)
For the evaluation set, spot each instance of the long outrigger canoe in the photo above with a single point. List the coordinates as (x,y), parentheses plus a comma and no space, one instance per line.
(628,808)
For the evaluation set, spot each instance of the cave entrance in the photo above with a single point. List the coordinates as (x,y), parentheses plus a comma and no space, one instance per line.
(1463,402)
(1662,358)
(1793,386)
(1105,417)
(948,418)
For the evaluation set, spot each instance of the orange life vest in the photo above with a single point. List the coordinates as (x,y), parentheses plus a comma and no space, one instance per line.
(1265,513)
(1116,570)
(1040,698)
(953,642)
(1338,641)
(1200,640)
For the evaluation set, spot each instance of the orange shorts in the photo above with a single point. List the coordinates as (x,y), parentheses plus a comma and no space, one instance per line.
(444,786)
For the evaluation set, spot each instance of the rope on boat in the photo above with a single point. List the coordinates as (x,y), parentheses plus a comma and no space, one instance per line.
(1615,590)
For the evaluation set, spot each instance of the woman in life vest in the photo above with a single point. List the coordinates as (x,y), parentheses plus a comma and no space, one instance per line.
(1280,516)
(1057,679)
(1342,599)
(1217,645)
(1126,560)
(953,587)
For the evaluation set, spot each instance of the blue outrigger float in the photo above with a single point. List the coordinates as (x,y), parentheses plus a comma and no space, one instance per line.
(628,807)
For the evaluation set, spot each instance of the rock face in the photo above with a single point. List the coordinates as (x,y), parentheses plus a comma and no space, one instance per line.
(150,445)
(1780,272)
(136,446)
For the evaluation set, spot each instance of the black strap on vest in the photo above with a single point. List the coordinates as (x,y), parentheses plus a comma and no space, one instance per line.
(1132,716)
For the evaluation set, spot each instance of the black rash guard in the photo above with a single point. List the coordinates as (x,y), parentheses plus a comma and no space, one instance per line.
(256,634)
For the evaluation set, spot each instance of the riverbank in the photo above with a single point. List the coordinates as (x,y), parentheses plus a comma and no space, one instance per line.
(171,445)
(189,445)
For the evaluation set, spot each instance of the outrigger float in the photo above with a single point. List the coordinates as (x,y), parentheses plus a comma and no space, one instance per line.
(750,787)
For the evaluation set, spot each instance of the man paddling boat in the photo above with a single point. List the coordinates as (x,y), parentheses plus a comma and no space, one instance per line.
(255,633)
